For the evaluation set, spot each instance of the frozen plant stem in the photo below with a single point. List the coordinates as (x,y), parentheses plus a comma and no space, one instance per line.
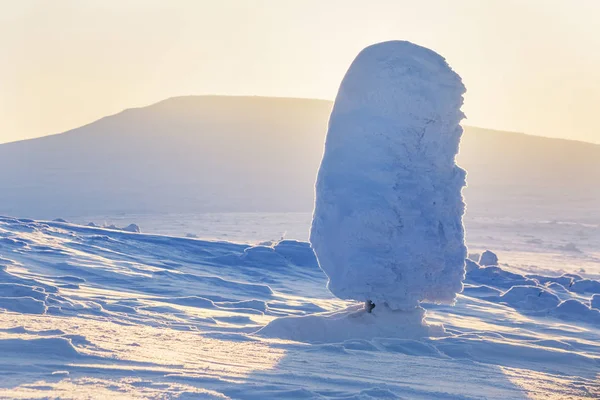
(369,306)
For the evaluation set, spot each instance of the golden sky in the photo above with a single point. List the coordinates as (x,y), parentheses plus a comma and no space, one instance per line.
(529,65)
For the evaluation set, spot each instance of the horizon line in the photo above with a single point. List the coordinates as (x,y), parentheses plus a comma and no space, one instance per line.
(264,97)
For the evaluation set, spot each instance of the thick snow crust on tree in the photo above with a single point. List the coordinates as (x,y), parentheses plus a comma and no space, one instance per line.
(387,224)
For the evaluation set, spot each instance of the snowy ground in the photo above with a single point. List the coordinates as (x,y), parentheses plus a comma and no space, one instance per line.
(530,246)
(89,312)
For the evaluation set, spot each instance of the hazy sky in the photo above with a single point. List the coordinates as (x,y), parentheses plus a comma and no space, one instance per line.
(529,65)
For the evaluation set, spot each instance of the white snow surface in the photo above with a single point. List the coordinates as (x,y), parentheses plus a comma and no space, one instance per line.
(387,224)
(595,301)
(91,312)
(352,323)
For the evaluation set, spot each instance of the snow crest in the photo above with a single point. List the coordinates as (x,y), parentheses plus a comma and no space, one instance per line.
(387,224)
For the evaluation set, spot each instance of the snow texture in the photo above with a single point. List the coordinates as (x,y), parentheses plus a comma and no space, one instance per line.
(89,312)
(595,301)
(471,265)
(498,277)
(530,298)
(387,224)
(573,310)
(586,286)
(352,323)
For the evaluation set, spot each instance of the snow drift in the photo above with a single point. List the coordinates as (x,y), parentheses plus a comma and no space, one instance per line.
(351,323)
(85,304)
(387,224)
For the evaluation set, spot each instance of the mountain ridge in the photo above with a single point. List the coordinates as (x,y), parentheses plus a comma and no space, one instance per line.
(175,98)
(254,153)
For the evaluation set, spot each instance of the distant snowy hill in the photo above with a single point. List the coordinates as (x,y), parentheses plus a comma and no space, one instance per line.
(523,176)
(215,153)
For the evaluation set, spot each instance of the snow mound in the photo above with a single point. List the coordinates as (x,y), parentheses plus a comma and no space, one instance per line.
(564,280)
(352,323)
(530,298)
(19,290)
(22,298)
(575,277)
(24,305)
(387,225)
(498,277)
(536,295)
(559,290)
(40,347)
(132,228)
(488,259)
(298,253)
(280,255)
(586,286)
(573,310)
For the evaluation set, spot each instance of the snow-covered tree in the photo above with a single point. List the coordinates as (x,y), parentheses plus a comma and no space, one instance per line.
(387,226)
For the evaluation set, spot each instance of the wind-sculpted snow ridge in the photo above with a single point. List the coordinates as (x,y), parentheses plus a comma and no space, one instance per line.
(584,286)
(92,312)
(536,295)
(129,228)
(387,224)
(64,259)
